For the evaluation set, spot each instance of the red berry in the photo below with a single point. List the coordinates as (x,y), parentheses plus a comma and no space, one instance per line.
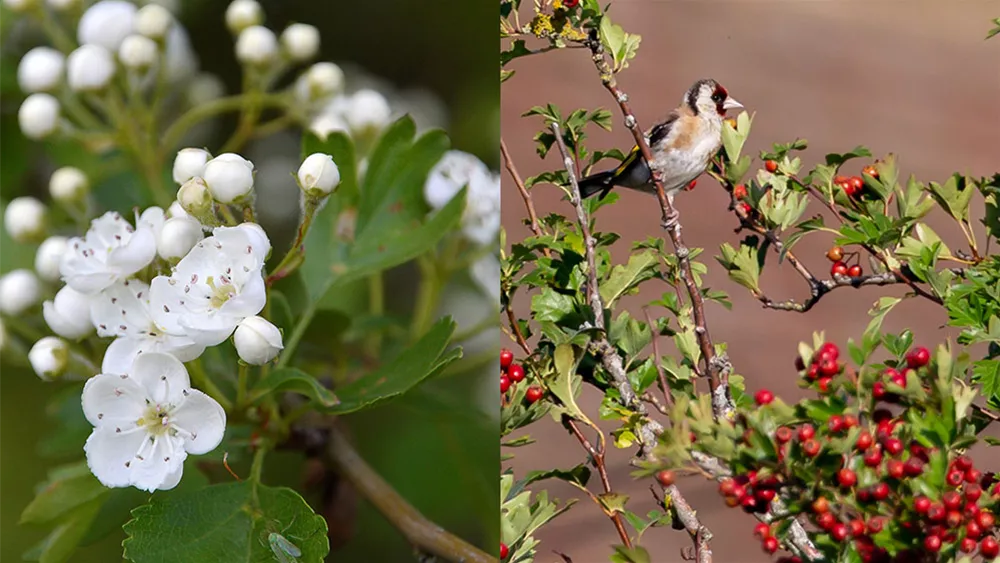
(856,183)
(824,384)
(913,467)
(989,547)
(806,432)
(968,545)
(921,505)
(770,544)
(665,477)
(691,185)
(894,468)
(952,500)
(740,191)
(826,520)
(875,525)
(932,543)
(829,350)
(810,448)
(516,372)
(835,254)
(504,550)
(533,394)
(821,505)
(864,441)
(972,492)
(763,397)
(829,368)
(766,495)
(727,487)
(918,357)
(839,532)
(504,383)
(973,476)
(986,520)
(870,170)
(973,530)
(972,509)
(873,458)
(963,463)
(857,527)
(506,358)
(864,496)
(744,207)
(571,3)
(855,271)
(880,491)
(771,166)
(783,434)
(835,423)
(894,446)
(838,269)
(762,530)
(955,478)
(878,390)
(749,503)
(847,478)
(936,512)
(953,519)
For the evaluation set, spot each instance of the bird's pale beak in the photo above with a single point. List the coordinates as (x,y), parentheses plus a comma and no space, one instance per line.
(731,103)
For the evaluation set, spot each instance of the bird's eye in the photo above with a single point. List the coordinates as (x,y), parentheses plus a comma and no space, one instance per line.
(718,97)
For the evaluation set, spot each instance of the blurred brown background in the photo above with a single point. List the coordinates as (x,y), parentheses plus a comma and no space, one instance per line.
(914,78)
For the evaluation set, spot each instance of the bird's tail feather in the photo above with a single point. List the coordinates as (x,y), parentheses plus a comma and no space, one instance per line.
(597,183)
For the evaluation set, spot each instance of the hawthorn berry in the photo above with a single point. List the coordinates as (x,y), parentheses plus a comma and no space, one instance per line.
(749,503)
(847,478)
(864,441)
(835,423)
(806,432)
(824,384)
(762,530)
(771,166)
(744,207)
(838,269)
(875,525)
(821,505)
(504,550)
(880,491)
(972,492)
(967,545)
(953,519)
(873,457)
(855,271)
(913,467)
(570,3)
(504,383)
(783,435)
(765,495)
(516,372)
(740,192)
(856,183)
(810,448)
(690,185)
(826,521)
(936,512)
(829,368)
(870,170)
(665,477)
(533,394)
(963,463)
(952,500)
(839,532)
(835,254)
(894,446)
(973,530)
(986,520)
(973,475)
(955,478)
(727,487)
(878,390)
(921,505)
(770,544)
(932,543)
(894,468)
(763,397)
(918,357)
(989,547)
(506,358)
(857,527)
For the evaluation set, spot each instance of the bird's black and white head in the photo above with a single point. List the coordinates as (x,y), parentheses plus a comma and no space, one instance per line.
(709,98)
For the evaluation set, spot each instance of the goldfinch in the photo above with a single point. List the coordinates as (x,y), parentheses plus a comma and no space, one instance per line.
(681,145)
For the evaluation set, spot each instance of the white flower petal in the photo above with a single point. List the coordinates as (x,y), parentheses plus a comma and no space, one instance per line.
(174,477)
(209,330)
(120,355)
(136,254)
(162,375)
(158,462)
(164,305)
(204,418)
(108,452)
(122,309)
(113,401)
(250,301)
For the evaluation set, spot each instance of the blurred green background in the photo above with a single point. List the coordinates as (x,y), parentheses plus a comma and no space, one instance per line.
(438,446)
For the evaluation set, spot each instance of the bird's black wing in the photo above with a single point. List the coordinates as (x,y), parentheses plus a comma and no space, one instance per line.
(656,134)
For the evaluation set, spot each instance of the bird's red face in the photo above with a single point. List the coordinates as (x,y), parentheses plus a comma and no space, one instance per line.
(711,98)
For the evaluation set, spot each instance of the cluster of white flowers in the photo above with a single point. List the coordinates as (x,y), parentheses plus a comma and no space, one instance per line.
(457,170)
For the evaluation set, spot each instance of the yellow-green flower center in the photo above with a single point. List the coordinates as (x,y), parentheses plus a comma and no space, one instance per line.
(220,293)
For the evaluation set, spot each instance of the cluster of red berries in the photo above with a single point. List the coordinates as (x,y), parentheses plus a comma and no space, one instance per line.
(823,366)
(750,491)
(915,359)
(511,374)
(839,267)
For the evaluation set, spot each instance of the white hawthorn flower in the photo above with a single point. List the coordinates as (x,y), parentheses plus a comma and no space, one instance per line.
(19,291)
(176,210)
(326,123)
(257,341)
(369,111)
(124,311)
(153,21)
(38,116)
(40,70)
(49,357)
(319,82)
(455,170)
(138,52)
(106,23)
(256,45)
(90,68)
(318,175)
(194,196)
(300,41)
(486,273)
(217,285)
(189,163)
(48,256)
(68,184)
(146,422)
(111,250)
(241,14)
(229,177)
(68,315)
(25,219)
(481,220)
(177,237)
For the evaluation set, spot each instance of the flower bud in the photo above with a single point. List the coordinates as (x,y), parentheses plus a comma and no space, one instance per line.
(321,81)
(38,116)
(177,237)
(68,185)
(153,21)
(106,23)
(40,70)
(204,88)
(63,5)
(48,257)
(256,45)
(90,68)
(19,291)
(68,315)
(190,162)
(175,210)
(25,219)
(229,177)
(242,14)
(369,111)
(18,6)
(300,41)
(194,197)
(326,123)
(318,175)
(49,357)
(138,52)
(257,341)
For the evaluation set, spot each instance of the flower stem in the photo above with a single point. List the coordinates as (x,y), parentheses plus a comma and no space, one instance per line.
(202,380)
(248,117)
(427,297)
(197,114)
(257,466)
(297,252)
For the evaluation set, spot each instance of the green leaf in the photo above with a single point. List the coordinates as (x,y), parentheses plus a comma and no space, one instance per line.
(567,381)
(295,380)
(63,540)
(422,360)
(954,196)
(67,488)
(227,522)
(734,139)
(640,267)
(987,374)
(743,265)
(578,475)
(624,554)
(621,45)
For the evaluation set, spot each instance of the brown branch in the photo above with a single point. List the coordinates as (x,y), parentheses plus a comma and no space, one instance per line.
(423,534)
(701,536)
(597,459)
(525,195)
(717,365)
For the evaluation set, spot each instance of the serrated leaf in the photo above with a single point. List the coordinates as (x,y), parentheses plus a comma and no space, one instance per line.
(742,265)
(567,381)
(295,380)
(624,554)
(226,522)
(641,266)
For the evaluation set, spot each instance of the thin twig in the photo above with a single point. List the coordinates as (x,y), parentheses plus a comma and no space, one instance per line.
(664,385)
(423,534)
(525,195)
(597,458)
(717,365)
